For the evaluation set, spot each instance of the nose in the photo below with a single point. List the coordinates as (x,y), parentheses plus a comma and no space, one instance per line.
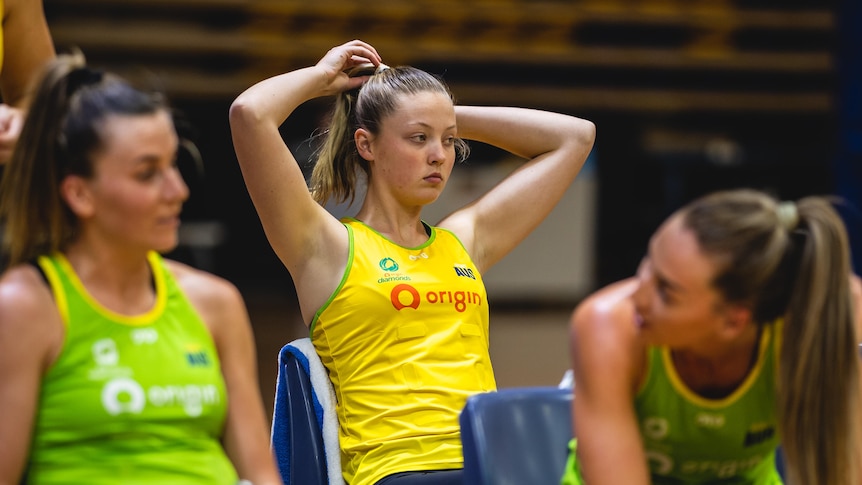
(640,296)
(175,188)
(437,153)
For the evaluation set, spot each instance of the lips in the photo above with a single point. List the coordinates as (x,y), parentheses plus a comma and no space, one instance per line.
(434,178)
(173,220)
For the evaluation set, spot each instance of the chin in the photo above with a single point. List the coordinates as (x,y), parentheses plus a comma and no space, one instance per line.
(651,338)
(166,246)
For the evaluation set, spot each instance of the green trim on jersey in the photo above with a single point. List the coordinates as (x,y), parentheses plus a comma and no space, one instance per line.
(130,399)
(341,283)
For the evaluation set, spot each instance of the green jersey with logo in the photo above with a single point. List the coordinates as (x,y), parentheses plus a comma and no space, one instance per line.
(689,439)
(130,399)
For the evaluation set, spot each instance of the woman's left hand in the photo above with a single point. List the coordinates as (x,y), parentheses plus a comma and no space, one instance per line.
(11,122)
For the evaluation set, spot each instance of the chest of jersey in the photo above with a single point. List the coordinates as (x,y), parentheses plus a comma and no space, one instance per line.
(690,439)
(136,396)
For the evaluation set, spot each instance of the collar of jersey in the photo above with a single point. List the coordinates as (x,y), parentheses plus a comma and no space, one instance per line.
(135,320)
(699,400)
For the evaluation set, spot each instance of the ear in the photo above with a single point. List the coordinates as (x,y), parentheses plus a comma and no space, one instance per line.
(362,138)
(75,191)
(737,318)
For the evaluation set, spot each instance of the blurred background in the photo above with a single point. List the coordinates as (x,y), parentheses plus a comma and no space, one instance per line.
(688,96)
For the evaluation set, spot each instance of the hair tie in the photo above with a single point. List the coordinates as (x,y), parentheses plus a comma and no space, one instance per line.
(788,215)
(83,76)
(380,68)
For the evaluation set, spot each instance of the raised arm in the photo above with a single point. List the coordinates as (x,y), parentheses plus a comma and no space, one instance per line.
(27,46)
(246,436)
(30,337)
(607,361)
(310,242)
(300,231)
(555,146)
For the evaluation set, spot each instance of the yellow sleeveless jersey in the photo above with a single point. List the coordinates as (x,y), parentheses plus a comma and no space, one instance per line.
(405,340)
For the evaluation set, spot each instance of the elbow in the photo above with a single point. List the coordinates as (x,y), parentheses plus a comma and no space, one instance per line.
(242,112)
(584,132)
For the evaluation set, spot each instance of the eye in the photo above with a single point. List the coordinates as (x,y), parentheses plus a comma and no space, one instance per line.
(663,292)
(449,141)
(419,138)
(146,173)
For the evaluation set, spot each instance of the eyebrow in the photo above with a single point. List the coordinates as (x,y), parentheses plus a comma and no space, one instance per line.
(666,283)
(146,159)
(426,125)
(661,278)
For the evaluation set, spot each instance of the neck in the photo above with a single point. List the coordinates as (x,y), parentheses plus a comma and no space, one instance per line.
(403,227)
(119,280)
(718,373)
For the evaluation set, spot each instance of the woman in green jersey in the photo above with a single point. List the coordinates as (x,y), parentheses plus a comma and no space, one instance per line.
(396,307)
(738,333)
(116,366)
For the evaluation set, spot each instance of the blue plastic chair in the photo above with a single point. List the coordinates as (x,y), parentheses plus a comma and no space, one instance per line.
(297,439)
(516,436)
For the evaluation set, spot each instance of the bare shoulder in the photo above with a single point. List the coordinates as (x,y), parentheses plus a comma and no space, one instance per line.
(462,224)
(28,313)
(607,313)
(604,334)
(24,293)
(206,291)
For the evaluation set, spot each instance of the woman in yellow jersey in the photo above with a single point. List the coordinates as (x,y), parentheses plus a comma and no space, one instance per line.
(396,307)
(116,366)
(25,46)
(738,333)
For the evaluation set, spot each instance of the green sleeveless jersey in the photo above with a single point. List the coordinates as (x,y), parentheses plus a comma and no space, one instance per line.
(405,341)
(689,439)
(130,399)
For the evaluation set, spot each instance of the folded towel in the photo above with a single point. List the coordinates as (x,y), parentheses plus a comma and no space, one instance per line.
(323,397)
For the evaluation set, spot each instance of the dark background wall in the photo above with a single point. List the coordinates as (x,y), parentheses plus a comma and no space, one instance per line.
(688,96)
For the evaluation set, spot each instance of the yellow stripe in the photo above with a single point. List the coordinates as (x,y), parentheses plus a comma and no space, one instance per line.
(56,289)
(133,320)
(696,399)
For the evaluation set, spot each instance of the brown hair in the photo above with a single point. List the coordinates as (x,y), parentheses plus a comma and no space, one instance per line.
(59,136)
(335,169)
(792,261)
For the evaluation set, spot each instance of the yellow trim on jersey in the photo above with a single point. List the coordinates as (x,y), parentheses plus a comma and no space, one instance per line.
(56,288)
(687,393)
(778,326)
(133,320)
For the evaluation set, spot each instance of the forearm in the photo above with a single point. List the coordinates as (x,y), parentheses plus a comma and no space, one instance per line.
(524,132)
(27,47)
(272,100)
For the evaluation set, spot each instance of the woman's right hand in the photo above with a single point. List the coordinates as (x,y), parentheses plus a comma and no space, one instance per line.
(341,59)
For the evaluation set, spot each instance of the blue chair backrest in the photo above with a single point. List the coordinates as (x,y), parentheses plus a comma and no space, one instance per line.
(297,440)
(516,436)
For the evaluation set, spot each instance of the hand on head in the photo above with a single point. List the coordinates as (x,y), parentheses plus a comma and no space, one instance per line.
(341,59)
(11,121)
